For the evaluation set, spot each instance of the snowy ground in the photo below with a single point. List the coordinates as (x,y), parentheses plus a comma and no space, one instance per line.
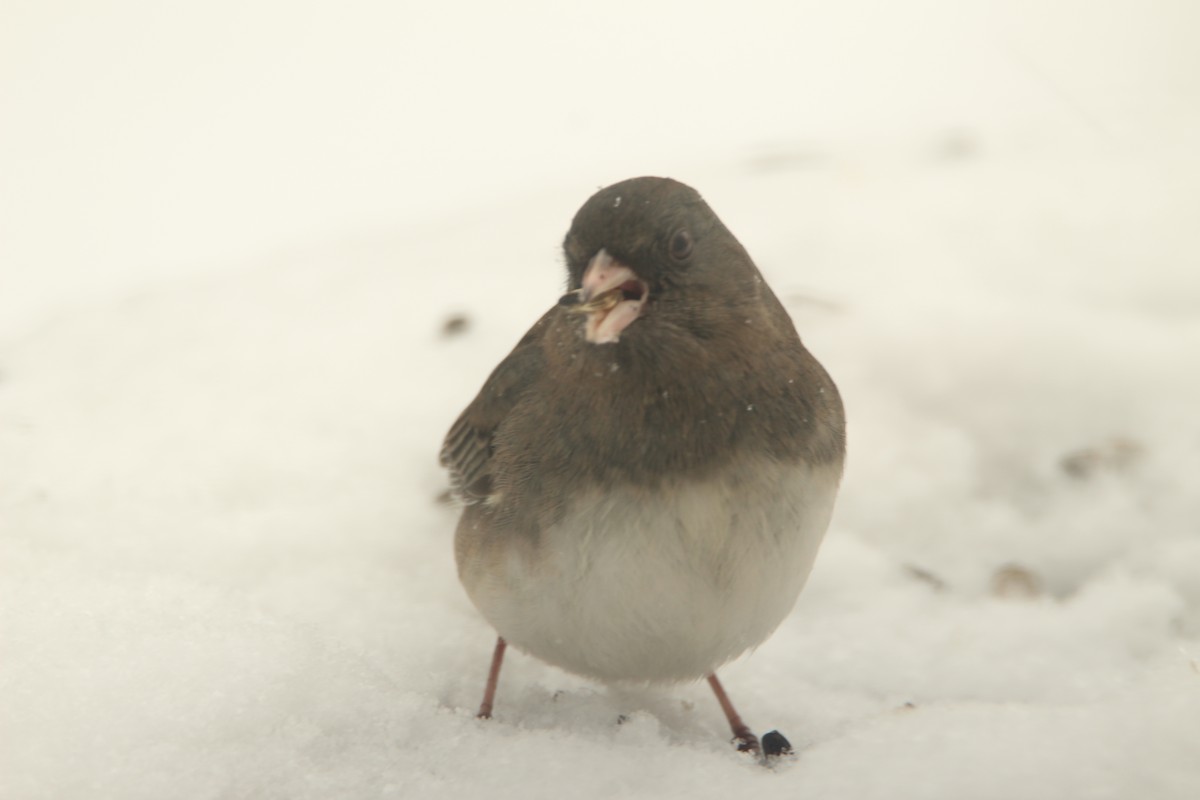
(230,243)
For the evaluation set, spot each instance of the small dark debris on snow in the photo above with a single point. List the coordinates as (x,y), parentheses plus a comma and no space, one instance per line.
(1114,455)
(775,744)
(454,325)
(925,576)
(1016,582)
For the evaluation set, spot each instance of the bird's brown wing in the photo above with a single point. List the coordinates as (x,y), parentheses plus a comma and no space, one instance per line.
(467,449)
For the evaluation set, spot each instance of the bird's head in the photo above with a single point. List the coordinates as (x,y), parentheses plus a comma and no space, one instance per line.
(650,251)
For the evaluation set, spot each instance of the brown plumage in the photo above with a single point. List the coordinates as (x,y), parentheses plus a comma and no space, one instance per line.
(678,419)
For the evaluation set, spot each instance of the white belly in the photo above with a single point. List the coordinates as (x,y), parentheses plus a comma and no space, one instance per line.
(664,586)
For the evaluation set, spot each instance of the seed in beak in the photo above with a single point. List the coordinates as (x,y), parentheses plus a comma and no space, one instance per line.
(601,302)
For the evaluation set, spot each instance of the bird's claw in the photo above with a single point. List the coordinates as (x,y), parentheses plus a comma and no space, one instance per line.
(747,743)
(773,746)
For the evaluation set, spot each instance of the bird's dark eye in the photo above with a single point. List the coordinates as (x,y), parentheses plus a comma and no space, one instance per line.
(681,244)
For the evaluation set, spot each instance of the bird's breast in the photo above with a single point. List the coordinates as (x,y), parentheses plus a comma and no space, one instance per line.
(663,583)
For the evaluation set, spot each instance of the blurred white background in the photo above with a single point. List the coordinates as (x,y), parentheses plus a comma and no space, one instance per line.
(147,140)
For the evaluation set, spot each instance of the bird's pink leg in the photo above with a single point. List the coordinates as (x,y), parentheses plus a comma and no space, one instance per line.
(745,738)
(489,692)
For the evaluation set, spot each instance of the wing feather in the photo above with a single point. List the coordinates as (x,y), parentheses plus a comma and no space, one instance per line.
(468,446)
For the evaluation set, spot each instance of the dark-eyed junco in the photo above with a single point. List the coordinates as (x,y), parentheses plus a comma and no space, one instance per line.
(648,475)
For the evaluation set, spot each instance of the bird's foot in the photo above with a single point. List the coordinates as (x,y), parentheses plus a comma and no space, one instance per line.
(773,746)
(746,741)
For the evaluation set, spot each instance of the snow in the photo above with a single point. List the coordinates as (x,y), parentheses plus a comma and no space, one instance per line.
(232,235)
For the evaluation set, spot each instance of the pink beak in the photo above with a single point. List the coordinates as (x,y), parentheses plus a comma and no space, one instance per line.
(604,274)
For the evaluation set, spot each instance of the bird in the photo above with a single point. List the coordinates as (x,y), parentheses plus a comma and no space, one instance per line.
(646,478)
